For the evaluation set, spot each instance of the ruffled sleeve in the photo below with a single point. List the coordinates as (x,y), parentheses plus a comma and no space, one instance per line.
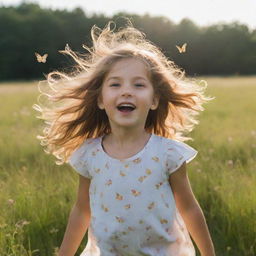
(177,153)
(78,160)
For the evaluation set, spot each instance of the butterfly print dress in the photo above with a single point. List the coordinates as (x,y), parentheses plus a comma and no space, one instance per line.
(133,211)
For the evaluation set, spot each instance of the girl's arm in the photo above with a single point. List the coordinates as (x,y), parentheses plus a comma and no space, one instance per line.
(191,211)
(79,220)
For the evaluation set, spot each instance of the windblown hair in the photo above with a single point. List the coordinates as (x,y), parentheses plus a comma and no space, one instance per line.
(70,108)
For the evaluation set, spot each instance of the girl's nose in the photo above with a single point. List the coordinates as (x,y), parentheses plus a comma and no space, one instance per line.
(126,90)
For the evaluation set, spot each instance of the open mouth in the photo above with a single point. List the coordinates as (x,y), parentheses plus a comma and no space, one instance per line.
(126,107)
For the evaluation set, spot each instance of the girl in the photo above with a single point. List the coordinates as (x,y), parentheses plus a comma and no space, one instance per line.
(119,122)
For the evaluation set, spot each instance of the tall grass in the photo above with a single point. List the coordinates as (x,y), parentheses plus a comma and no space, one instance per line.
(36,195)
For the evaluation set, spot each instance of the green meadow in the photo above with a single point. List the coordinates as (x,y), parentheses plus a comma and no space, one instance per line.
(36,195)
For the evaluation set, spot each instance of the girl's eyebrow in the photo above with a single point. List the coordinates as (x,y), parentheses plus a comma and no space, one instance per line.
(134,78)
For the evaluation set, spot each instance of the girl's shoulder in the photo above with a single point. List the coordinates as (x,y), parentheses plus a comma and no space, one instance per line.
(172,144)
(85,148)
(176,152)
(81,156)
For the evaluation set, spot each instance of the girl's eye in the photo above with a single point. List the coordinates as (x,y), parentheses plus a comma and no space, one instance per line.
(137,85)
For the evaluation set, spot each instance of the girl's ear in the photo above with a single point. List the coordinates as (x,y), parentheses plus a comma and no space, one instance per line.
(100,103)
(155,103)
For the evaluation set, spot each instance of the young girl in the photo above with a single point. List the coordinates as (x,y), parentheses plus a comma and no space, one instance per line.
(119,121)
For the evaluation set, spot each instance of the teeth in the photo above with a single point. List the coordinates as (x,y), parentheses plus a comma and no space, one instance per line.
(126,105)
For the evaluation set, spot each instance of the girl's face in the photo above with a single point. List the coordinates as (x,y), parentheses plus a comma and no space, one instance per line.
(127,94)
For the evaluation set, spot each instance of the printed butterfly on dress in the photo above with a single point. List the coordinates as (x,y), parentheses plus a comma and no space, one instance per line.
(135,192)
(104,208)
(120,219)
(128,206)
(151,206)
(163,221)
(41,58)
(119,197)
(141,178)
(182,48)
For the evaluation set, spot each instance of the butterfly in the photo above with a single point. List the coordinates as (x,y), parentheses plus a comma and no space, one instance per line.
(97,170)
(131,228)
(104,208)
(155,158)
(163,221)
(119,219)
(141,178)
(135,192)
(109,182)
(182,48)
(159,185)
(148,171)
(137,160)
(119,197)
(148,227)
(151,206)
(41,58)
(122,173)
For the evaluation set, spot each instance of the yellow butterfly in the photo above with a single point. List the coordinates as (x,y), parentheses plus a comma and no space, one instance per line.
(137,160)
(151,206)
(41,58)
(163,221)
(109,182)
(141,178)
(155,158)
(135,192)
(182,48)
(120,219)
(104,208)
(148,171)
(97,170)
(119,197)
(131,228)
(159,185)
(122,173)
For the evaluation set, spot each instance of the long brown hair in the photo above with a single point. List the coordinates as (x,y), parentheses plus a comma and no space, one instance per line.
(70,108)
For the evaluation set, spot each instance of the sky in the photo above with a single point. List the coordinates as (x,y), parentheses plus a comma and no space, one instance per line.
(202,12)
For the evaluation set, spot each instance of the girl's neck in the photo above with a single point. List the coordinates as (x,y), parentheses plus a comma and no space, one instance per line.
(124,145)
(121,139)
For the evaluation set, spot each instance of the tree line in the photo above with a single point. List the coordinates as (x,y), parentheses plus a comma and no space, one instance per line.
(219,49)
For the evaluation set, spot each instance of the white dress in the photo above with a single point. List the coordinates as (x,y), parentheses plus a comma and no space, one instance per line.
(133,211)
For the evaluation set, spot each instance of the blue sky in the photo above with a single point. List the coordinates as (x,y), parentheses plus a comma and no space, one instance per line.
(202,12)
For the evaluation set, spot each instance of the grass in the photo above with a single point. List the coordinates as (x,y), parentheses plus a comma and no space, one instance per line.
(36,195)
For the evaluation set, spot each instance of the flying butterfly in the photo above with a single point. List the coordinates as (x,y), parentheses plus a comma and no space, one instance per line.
(182,48)
(41,58)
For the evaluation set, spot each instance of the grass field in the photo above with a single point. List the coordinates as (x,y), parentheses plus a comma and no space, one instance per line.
(36,195)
